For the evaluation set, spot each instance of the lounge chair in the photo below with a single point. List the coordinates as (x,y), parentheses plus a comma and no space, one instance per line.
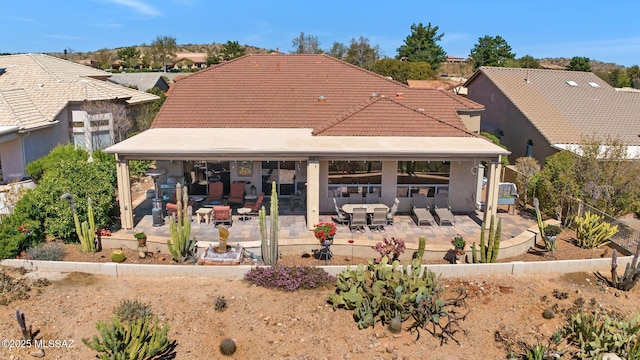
(420,210)
(341,216)
(422,216)
(378,219)
(442,211)
(392,212)
(216,190)
(236,194)
(256,204)
(222,215)
(358,220)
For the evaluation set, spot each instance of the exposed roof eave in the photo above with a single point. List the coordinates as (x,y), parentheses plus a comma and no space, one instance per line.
(239,143)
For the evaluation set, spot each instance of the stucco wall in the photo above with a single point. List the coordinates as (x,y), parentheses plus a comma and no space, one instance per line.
(12,160)
(501,114)
(462,186)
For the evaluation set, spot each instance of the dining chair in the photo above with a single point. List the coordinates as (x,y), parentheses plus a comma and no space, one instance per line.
(378,219)
(358,220)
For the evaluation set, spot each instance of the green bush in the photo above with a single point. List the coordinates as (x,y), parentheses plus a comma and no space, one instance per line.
(37,168)
(18,233)
(139,167)
(83,180)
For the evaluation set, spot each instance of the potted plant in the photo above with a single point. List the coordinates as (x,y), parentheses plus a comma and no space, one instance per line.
(141,237)
(551,232)
(459,244)
(324,232)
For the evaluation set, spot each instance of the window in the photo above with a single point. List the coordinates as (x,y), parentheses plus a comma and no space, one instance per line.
(91,131)
(347,178)
(529,150)
(422,177)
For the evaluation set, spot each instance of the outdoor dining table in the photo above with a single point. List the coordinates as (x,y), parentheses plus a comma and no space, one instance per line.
(348,208)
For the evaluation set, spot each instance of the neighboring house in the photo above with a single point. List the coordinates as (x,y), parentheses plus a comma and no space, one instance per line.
(41,106)
(190,60)
(318,125)
(143,81)
(539,112)
(446,83)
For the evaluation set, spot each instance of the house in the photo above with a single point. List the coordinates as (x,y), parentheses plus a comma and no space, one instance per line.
(317,125)
(142,81)
(41,106)
(536,113)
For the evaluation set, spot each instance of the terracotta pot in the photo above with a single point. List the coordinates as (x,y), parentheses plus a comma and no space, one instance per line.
(142,242)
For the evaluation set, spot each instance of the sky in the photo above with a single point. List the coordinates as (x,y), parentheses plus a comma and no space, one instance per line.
(599,30)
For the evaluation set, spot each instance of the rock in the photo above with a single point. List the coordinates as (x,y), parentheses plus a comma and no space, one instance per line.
(38,353)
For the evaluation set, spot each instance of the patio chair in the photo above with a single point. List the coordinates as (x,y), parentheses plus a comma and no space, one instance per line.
(420,210)
(341,216)
(236,194)
(358,220)
(222,215)
(378,219)
(392,212)
(442,210)
(255,205)
(216,190)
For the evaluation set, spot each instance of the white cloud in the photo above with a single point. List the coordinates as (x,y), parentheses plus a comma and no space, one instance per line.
(139,6)
(63,37)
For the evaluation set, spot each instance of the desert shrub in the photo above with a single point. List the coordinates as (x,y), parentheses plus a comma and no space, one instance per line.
(130,310)
(143,338)
(290,278)
(18,233)
(50,251)
(221,303)
(12,289)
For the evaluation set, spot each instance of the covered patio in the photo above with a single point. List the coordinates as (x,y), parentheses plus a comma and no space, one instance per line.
(295,238)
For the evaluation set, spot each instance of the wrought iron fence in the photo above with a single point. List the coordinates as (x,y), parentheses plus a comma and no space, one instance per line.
(626,238)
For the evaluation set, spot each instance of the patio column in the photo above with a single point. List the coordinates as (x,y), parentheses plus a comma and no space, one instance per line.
(491,197)
(313,193)
(124,193)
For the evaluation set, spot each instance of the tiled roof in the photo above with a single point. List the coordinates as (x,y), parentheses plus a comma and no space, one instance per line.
(284,91)
(36,87)
(143,80)
(567,105)
(400,121)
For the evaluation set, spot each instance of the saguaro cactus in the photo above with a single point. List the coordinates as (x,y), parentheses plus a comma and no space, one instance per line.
(269,244)
(488,252)
(180,246)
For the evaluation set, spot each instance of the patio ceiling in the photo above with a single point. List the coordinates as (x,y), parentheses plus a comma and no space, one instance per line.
(297,143)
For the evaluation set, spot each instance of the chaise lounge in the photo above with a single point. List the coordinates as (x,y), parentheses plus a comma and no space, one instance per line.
(420,210)
(442,210)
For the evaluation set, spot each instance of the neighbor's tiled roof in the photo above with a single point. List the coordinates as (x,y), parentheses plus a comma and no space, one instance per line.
(36,87)
(143,80)
(283,91)
(564,113)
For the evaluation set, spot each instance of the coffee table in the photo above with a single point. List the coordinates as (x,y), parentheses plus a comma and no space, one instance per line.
(244,212)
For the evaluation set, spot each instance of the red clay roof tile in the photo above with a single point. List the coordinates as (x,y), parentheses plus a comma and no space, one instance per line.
(283,91)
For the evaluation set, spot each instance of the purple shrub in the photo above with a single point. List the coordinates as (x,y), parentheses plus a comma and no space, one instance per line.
(289,278)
